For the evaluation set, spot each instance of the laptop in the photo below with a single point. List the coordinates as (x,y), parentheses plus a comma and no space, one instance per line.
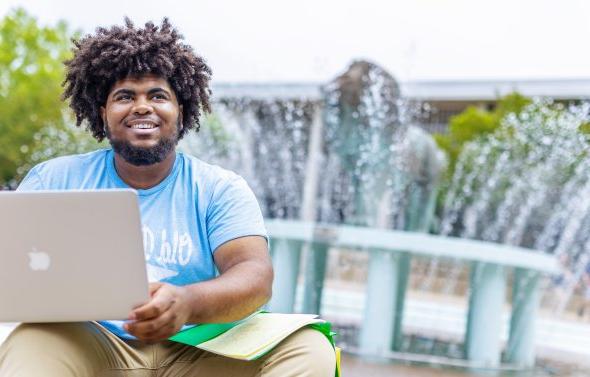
(70,256)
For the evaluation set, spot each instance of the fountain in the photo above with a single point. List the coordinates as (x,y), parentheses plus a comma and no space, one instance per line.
(344,167)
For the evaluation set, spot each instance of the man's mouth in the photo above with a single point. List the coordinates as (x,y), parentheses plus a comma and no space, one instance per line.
(143,126)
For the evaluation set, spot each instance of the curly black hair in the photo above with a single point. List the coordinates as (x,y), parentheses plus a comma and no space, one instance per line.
(113,54)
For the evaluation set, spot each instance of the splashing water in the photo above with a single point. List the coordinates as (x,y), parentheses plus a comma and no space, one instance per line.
(369,152)
(528,184)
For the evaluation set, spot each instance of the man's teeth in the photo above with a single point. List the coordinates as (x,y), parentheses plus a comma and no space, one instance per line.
(143,126)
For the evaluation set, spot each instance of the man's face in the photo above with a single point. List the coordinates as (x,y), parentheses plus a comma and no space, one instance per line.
(142,119)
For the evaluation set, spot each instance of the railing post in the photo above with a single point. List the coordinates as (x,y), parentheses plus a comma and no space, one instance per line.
(402,277)
(315,254)
(315,272)
(422,204)
(484,321)
(525,302)
(285,261)
(377,332)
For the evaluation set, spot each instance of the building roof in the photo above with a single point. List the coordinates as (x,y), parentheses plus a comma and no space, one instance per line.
(448,90)
(490,90)
(271,90)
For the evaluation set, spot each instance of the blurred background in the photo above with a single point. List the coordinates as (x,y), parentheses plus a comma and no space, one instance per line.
(423,166)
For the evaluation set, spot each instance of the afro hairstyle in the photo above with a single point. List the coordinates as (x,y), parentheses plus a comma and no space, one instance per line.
(112,54)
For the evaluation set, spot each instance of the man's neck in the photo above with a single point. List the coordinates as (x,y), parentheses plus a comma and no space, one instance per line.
(144,177)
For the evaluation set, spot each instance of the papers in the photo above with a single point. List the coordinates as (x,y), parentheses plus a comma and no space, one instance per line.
(257,335)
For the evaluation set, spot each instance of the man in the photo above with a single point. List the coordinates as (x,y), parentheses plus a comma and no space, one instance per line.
(143,90)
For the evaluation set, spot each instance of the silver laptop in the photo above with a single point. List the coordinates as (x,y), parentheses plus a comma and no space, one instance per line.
(70,256)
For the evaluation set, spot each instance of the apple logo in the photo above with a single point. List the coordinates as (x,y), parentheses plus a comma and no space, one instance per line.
(39,261)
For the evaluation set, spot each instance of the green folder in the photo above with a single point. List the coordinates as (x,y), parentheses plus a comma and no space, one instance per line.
(202,333)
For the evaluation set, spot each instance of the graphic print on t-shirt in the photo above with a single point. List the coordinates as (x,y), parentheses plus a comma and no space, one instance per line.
(166,254)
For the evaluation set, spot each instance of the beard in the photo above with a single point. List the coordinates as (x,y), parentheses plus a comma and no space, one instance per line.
(139,156)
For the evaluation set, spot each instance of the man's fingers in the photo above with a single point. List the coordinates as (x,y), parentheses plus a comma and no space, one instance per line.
(161,333)
(160,318)
(136,307)
(141,329)
(159,305)
(155,329)
(152,310)
(153,288)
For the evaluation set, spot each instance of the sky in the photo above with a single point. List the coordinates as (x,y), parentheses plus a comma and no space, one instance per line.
(315,40)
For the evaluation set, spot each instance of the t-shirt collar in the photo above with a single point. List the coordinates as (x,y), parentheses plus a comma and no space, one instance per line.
(112,172)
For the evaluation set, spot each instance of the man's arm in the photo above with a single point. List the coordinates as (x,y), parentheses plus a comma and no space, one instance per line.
(244,284)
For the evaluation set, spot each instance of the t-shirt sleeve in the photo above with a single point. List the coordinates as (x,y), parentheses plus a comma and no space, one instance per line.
(233,212)
(31,182)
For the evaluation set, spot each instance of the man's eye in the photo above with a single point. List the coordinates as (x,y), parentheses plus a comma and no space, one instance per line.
(123,97)
(159,96)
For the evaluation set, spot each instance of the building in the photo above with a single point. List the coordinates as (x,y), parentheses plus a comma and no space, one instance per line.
(437,100)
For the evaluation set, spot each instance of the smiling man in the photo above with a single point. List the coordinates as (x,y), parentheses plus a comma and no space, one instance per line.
(143,90)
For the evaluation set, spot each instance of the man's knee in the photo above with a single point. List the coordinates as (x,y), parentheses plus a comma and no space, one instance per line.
(307,352)
(317,349)
(51,349)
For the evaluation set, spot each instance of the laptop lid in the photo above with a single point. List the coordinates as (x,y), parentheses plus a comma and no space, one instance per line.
(70,256)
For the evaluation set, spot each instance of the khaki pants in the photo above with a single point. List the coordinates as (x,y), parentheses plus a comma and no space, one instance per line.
(86,349)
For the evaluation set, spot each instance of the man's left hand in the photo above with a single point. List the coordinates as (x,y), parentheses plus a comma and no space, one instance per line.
(161,317)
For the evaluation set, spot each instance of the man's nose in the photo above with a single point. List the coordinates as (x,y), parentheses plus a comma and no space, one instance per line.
(142,106)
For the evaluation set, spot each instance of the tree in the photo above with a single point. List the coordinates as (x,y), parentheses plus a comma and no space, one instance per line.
(474,123)
(34,123)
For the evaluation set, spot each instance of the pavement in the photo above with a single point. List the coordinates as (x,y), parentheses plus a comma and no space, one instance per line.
(353,366)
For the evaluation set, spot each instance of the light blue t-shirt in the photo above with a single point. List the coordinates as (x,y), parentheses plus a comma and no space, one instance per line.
(185,218)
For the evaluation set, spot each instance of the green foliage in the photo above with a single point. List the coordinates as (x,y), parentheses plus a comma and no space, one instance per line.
(34,122)
(217,134)
(585,128)
(509,184)
(474,123)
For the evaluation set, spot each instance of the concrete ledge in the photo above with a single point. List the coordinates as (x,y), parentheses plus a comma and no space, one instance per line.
(415,243)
